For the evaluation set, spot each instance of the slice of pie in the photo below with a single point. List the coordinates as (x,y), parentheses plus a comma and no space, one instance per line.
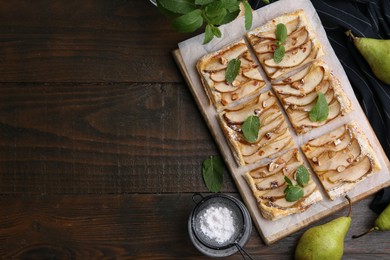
(299,92)
(341,159)
(268,184)
(273,136)
(301,46)
(212,68)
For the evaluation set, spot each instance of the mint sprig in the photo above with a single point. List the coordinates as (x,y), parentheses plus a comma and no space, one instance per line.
(295,192)
(190,15)
(212,171)
(281,36)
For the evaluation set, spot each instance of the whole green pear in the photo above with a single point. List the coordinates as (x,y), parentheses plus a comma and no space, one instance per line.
(382,222)
(377,54)
(324,241)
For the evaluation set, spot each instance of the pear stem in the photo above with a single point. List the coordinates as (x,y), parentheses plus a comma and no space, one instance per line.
(350,205)
(368,231)
(349,34)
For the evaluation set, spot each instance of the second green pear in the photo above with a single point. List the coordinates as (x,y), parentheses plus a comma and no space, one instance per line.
(324,241)
(377,54)
(382,222)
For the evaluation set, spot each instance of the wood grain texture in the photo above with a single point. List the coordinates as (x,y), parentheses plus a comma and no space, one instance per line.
(89,41)
(101,142)
(99,138)
(139,227)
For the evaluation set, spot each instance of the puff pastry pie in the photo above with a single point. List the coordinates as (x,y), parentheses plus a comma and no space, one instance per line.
(268,184)
(274,134)
(301,46)
(212,68)
(298,95)
(341,159)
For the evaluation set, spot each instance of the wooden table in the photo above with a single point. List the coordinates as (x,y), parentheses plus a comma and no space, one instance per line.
(101,142)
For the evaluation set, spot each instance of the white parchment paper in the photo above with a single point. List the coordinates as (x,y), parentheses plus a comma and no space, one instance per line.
(192,50)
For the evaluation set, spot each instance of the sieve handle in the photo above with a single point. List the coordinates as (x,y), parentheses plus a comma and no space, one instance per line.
(243,253)
(197,194)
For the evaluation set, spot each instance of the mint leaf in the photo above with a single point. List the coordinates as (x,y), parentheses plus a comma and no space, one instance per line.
(320,111)
(188,22)
(212,171)
(281,33)
(293,193)
(209,35)
(166,12)
(250,128)
(248,15)
(210,32)
(216,31)
(279,53)
(203,2)
(214,9)
(302,175)
(288,181)
(215,13)
(266,1)
(177,6)
(231,5)
(281,36)
(229,17)
(232,70)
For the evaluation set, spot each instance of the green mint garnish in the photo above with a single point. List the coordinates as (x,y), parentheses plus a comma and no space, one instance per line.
(281,36)
(212,171)
(232,70)
(210,32)
(248,15)
(295,192)
(188,22)
(250,128)
(279,53)
(302,175)
(281,33)
(190,15)
(320,111)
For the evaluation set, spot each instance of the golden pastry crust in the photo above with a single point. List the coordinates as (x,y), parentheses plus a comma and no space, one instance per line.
(298,95)
(301,46)
(267,184)
(212,67)
(274,134)
(341,159)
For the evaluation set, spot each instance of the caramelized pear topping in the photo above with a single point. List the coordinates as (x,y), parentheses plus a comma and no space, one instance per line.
(341,158)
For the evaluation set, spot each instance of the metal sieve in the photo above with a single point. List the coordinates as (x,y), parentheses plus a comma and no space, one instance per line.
(241,219)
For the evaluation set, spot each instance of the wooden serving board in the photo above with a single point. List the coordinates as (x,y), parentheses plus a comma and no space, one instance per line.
(272,231)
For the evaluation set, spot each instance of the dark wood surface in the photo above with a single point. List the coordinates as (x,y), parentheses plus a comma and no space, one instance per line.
(101,142)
